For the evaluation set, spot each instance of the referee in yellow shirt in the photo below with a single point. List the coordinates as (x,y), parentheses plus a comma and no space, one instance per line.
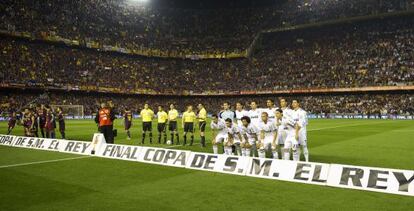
(172,123)
(147,115)
(162,121)
(202,121)
(188,120)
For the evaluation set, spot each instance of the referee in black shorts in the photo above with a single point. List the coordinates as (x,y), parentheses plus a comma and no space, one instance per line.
(202,121)
(188,120)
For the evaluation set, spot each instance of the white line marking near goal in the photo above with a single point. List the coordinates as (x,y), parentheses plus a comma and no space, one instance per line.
(45,161)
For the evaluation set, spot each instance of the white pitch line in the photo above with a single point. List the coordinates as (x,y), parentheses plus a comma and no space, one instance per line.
(348,125)
(45,161)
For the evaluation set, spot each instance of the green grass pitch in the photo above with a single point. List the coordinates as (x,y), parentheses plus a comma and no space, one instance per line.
(89,183)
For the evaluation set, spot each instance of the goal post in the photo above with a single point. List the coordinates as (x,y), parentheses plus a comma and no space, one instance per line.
(71,110)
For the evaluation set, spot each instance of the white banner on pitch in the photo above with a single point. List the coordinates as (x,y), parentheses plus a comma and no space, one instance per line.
(372,179)
(168,157)
(219,163)
(313,173)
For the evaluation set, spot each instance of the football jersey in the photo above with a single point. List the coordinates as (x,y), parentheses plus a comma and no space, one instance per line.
(239,115)
(250,131)
(267,127)
(255,116)
(202,115)
(220,126)
(189,116)
(162,116)
(147,115)
(301,117)
(172,115)
(233,130)
(128,116)
(271,113)
(288,123)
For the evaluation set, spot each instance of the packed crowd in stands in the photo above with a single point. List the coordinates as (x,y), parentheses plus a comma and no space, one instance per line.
(401,104)
(296,12)
(371,53)
(138,26)
(377,53)
(133,25)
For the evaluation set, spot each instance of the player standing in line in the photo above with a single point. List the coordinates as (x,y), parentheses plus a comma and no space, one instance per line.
(227,113)
(254,114)
(219,132)
(267,136)
(240,113)
(41,119)
(61,120)
(302,119)
(172,123)
(281,132)
(292,127)
(202,121)
(188,120)
(147,115)
(162,117)
(50,123)
(128,122)
(233,138)
(249,134)
(28,122)
(12,122)
(270,109)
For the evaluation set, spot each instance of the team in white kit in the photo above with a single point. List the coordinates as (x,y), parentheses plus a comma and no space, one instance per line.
(277,132)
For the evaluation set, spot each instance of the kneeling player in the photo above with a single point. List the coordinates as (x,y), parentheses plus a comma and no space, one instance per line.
(249,134)
(218,128)
(267,139)
(234,138)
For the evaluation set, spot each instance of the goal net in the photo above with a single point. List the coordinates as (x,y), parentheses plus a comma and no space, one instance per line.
(75,111)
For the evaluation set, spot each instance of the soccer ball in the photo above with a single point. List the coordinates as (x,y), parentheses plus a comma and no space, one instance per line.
(169,142)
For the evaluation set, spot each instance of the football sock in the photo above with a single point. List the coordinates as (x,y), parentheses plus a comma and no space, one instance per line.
(275,154)
(306,153)
(262,153)
(295,155)
(215,149)
(150,135)
(178,138)
(248,152)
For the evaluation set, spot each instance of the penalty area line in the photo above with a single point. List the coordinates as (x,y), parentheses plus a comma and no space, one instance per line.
(44,161)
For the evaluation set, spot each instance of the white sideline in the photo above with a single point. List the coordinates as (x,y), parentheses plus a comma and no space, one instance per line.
(45,161)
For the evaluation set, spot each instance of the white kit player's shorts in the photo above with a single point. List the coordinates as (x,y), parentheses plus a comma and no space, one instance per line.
(236,139)
(220,138)
(281,137)
(302,137)
(252,141)
(267,142)
(291,142)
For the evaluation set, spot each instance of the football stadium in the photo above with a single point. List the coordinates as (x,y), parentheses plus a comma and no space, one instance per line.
(207,105)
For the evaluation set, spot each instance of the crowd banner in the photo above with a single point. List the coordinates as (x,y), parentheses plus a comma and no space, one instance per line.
(372,179)
(218,163)
(393,181)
